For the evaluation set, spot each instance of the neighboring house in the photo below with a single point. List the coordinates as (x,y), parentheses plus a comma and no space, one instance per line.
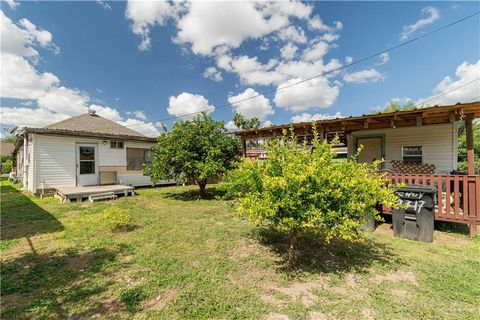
(418,146)
(6,148)
(81,151)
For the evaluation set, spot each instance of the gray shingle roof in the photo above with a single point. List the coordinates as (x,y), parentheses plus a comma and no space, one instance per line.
(93,123)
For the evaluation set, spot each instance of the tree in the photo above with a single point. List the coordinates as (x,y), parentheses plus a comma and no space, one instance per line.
(304,189)
(199,149)
(245,124)
(394,106)
(462,147)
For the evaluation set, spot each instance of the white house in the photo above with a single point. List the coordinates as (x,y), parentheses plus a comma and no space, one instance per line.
(86,150)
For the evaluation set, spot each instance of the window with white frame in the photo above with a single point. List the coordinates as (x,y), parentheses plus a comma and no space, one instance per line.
(412,154)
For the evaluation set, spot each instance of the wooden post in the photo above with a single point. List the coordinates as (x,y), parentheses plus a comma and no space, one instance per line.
(470,154)
(244,146)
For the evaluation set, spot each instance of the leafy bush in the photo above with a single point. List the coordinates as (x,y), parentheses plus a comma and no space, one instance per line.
(7,166)
(303,188)
(116,218)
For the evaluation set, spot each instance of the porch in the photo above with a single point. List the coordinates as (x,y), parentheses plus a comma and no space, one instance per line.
(67,194)
(458,196)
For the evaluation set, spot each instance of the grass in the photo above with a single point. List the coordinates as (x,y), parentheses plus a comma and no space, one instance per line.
(192,259)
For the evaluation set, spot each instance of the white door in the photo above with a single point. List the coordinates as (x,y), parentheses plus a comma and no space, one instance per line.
(87,166)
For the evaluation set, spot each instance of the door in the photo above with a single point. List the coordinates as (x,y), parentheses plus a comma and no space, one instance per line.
(372,149)
(87,166)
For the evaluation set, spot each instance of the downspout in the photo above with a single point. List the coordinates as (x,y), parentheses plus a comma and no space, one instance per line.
(25,169)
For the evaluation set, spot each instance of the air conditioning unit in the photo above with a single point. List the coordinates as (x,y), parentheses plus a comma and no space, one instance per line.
(108,177)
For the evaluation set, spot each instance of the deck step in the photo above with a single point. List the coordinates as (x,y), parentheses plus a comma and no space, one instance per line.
(102,196)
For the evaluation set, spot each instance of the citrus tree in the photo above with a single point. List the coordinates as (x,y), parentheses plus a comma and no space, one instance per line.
(199,149)
(302,188)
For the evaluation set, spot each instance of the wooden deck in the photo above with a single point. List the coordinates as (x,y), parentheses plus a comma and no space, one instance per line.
(66,194)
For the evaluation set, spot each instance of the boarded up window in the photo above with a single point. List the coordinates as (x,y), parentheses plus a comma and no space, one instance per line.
(137,157)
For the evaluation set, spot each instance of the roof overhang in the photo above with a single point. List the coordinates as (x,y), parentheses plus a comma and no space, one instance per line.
(74,133)
(417,117)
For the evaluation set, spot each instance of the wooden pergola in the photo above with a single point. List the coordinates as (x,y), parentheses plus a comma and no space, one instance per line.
(465,206)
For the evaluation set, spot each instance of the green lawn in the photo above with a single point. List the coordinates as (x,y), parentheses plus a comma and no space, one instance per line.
(190,259)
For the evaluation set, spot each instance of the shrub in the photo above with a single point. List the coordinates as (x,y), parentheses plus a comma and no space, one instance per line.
(116,218)
(304,189)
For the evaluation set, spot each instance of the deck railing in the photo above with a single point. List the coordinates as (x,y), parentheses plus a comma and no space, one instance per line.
(458,196)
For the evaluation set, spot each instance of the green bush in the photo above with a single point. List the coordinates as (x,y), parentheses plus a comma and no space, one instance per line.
(304,189)
(116,218)
(7,166)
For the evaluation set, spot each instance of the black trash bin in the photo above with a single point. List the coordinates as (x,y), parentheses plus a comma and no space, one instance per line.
(415,220)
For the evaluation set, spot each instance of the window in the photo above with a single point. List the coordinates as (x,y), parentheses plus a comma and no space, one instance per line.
(342,138)
(116,144)
(137,157)
(412,154)
(87,160)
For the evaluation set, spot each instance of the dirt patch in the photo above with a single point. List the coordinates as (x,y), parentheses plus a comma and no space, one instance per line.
(352,280)
(275,316)
(315,315)
(399,276)
(245,249)
(400,293)
(270,299)
(368,313)
(300,291)
(162,300)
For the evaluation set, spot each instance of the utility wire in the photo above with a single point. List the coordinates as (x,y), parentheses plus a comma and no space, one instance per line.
(321,74)
(447,92)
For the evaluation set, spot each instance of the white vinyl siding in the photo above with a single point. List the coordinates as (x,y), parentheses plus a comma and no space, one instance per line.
(30,165)
(438,144)
(56,159)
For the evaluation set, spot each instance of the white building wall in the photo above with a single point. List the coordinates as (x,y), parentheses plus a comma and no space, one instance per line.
(56,160)
(439,143)
(30,164)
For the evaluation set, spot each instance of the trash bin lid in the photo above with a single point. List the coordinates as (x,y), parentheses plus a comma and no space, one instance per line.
(417,188)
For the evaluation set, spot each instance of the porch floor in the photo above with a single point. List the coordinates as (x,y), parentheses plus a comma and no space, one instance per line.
(66,194)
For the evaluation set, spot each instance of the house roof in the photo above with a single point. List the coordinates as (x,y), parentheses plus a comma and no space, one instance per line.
(91,122)
(423,116)
(6,148)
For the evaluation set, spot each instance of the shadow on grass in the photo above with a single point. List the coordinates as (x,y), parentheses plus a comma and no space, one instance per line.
(211,193)
(313,254)
(42,285)
(22,217)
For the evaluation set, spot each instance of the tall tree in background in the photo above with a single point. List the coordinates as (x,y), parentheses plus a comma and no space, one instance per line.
(462,147)
(245,124)
(199,149)
(394,106)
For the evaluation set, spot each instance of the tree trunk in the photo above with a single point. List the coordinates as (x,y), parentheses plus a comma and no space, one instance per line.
(292,249)
(202,184)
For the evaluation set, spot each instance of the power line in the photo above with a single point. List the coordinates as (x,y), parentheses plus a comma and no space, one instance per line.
(319,75)
(327,72)
(447,92)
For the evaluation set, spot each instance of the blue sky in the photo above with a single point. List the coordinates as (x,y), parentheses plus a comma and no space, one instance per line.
(138,62)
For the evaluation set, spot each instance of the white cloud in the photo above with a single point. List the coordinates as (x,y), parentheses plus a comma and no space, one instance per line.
(464,73)
(213,74)
(188,104)
(104,5)
(307,117)
(12,4)
(312,94)
(28,117)
(348,59)
(201,26)
(432,14)
(292,33)
(231,126)
(384,58)
(316,23)
(288,51)
(147,14)
(148,129)
(21,81)
(106,112)
(254,107)
(364,76)
(267,124)
(64,100)
(329,37)
(316,52)
(138,114)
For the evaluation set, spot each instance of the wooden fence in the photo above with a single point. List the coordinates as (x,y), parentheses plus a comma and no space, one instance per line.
(458,196)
